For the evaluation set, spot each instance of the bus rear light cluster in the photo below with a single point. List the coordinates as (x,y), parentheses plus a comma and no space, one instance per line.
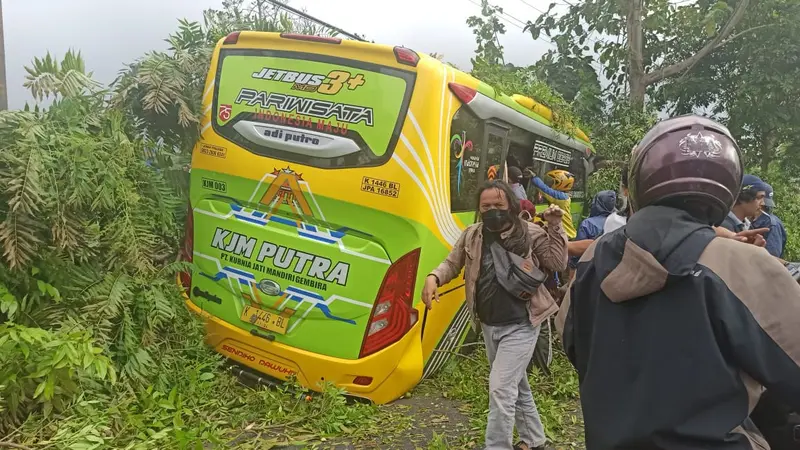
(393,314)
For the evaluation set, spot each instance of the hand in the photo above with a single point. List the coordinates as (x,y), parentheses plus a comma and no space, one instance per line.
(754,237)
(430,291)
(553,214)
(528,172)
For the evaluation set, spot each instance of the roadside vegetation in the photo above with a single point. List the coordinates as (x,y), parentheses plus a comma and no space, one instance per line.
(96,347)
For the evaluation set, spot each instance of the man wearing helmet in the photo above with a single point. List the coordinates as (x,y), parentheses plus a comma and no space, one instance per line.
(554,189)
(676,332)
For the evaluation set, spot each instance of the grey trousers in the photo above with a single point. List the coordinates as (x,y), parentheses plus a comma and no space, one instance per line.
(509,349)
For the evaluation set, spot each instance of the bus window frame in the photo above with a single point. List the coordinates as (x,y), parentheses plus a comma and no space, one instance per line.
(410,78)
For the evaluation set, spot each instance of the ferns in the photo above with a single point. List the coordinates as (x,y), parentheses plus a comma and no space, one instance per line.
(85,226)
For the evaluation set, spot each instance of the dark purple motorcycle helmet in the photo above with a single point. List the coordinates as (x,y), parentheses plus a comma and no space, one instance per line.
(688,162)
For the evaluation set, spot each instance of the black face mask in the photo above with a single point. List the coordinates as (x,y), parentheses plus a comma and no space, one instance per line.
(495,219)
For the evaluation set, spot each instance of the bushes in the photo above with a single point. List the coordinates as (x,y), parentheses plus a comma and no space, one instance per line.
(86,230)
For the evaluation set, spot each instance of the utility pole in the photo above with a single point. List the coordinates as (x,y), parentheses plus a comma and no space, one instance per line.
(3,89)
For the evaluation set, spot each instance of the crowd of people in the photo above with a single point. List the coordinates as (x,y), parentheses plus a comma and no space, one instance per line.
(670,298)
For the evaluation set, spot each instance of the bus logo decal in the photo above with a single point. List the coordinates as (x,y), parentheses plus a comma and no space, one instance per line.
(321,109)
(460,145)
(225,112)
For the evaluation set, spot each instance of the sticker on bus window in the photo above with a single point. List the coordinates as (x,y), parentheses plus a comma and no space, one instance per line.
(224,112)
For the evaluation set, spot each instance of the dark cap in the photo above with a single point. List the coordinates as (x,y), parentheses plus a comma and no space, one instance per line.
(769,201)
(753,184)
(514,174)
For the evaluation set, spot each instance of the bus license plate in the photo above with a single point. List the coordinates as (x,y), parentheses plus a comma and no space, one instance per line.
(264,319)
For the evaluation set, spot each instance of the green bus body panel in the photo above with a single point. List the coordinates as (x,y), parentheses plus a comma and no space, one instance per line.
(331,314)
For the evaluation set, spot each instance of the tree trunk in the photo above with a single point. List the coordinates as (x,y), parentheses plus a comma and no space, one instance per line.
(639,80)
(636,75)
(767,151)
(3,88)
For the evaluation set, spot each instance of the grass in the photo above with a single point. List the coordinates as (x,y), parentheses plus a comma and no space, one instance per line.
(556,396)
(196,404)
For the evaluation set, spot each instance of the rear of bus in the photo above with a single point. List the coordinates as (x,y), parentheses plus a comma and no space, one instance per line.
(305,245)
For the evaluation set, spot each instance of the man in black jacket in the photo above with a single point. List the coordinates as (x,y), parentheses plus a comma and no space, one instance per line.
(675,332)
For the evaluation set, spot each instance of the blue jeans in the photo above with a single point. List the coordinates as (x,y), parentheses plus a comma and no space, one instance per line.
(509,349)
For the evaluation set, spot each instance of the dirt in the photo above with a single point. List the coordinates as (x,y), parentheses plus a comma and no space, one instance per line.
(412,423)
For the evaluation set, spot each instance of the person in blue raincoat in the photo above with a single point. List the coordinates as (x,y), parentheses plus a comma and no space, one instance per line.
(591,228)
(776,236)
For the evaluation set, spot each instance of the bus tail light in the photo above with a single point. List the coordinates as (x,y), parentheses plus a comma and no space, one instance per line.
(187,251)
(231,38)
(406,56)
(307,37)
(464,93)
(393,313)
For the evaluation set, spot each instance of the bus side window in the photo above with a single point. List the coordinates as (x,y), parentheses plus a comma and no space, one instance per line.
(466,140)
(496,144)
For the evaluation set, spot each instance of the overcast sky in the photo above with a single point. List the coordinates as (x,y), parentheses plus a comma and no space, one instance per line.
(110,33)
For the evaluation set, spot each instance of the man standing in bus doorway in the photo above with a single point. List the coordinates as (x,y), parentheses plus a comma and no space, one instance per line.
(554,188)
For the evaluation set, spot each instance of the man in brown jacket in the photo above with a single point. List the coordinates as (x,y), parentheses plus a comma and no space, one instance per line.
(674,331)
(510,324)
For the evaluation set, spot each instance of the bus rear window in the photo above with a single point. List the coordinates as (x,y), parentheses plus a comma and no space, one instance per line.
(309,109)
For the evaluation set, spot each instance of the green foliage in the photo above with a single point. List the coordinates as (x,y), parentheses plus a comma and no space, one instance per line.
(487,27)
(750,83)
(488,67)
(86,229)
(576,80)
(256,15)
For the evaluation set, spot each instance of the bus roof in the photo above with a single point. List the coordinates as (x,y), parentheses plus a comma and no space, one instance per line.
(525,105)
(522,104)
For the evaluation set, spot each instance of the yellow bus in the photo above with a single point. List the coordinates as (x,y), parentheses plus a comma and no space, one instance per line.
(330,177)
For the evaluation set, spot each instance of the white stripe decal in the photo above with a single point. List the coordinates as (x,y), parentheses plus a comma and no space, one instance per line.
(210,88)
(443,231)
(445,149)
(436,187)
(441,214)
(213,214)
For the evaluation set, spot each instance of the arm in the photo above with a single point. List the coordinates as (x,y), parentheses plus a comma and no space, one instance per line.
(452,265)
(547,190)
(577,247)
(549,244)
(584,234)
(564,324)
(757,316)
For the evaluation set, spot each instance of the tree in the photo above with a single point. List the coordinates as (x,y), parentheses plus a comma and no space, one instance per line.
(751,84)
(648,34)
(576,80)
(488,66)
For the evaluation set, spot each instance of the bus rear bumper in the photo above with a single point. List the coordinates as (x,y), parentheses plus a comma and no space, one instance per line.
(393,371)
